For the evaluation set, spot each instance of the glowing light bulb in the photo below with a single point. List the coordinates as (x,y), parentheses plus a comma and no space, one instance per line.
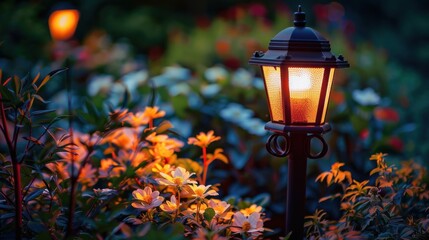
(299,79)
(300,85)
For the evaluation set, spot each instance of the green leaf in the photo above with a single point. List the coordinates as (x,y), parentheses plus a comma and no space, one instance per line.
(126,98)
(164,126)
(35,79)
(33,140)
(42,112)
(92,110)
(7,216)
(152,97)
(58,71)
(397,199)
(33,195)
(6,207)
(36,227)
(209,213)
(262,199)
(17,84)
(38,97)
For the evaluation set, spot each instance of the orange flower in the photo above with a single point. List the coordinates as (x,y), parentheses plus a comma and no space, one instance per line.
(220,207)
(203,140)
(178,178)
(166,169)
(200,192)
(252,209)
(161,151)
(110,168)
(87,175)
(137,120)
(125,138)
(146,198)
(153,113)
(170,143)
(170,206)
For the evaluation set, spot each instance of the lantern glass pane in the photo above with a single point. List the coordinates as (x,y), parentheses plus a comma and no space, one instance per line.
(274,92)
(304,85)
(328,91)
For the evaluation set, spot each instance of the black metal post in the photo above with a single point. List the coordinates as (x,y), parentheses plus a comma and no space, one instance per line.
(296,187)
(295,142)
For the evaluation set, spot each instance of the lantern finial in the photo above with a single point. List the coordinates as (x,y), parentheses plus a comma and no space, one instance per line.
(299,20)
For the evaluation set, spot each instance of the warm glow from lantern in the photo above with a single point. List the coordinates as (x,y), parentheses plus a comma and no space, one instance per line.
(273,86)
(304,87)
(300,80)
(63,23)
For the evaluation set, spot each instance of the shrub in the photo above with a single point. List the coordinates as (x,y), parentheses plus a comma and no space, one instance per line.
(120,176)
(392,204)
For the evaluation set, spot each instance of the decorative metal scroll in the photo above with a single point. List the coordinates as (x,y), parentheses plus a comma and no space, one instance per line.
(275,147)
(279,145)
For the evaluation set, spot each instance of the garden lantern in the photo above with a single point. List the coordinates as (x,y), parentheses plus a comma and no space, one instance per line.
(63,22)
(298,71)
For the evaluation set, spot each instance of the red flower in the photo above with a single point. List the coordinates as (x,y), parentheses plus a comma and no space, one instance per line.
(232,63)
(396,143)
(257,10)
(364,134)
(387,114)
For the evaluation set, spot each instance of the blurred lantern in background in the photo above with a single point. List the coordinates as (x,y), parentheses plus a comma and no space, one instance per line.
(63,22)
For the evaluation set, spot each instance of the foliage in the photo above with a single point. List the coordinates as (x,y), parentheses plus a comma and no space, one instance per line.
(393,204)
(123,178)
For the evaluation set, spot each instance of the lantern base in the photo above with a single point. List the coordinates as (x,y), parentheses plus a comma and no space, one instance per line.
(281,128)
(279,143)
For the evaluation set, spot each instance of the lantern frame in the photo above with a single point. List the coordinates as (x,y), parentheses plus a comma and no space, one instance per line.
(303,48)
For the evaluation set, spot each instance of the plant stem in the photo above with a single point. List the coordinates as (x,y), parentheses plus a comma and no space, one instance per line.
(205,166)
(18,198)
(178,205)
(197,214)
(16,172)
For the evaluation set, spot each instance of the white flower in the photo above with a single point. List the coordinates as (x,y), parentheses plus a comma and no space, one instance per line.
(235,113)
(242,78)
(258,83)
(180,88)
(177,73)
(100,83)
(172,75)
(252,224)
(134,79)
(116,93)
(366,97)
(215,74)
(210,90)
(178,177)
(254,126)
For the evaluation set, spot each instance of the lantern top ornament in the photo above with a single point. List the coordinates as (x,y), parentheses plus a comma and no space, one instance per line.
(299,46)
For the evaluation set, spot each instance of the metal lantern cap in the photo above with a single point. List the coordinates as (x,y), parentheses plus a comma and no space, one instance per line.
(299,46)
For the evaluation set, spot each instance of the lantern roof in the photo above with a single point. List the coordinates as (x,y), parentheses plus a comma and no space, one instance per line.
(299,46)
